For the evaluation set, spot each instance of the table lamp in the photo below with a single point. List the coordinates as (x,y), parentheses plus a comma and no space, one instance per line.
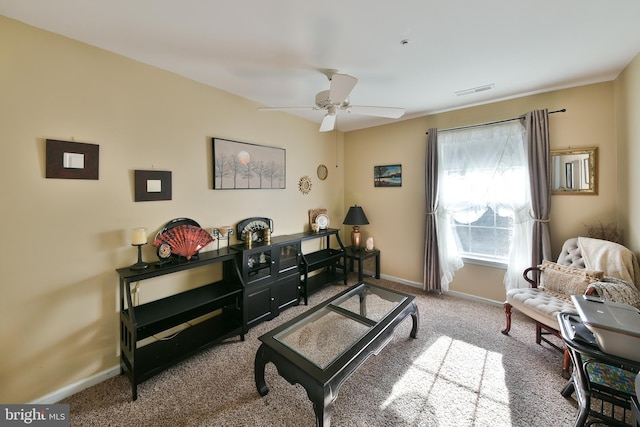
(356,217)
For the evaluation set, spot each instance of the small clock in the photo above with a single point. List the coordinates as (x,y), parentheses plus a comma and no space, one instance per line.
(323,172)
(164,251)
(323,221)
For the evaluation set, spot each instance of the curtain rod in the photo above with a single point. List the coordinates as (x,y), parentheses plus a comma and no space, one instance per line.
(495,123)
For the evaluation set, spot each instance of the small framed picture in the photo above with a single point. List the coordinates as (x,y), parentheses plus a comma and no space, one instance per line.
(387,176)
(71,160)
(152,185)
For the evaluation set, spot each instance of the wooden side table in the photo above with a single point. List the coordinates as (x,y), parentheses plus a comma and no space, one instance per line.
(361,254)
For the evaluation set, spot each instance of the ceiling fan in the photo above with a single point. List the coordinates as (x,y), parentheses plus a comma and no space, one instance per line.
(337,98)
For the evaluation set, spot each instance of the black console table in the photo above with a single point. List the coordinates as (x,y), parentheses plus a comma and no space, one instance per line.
(145,320)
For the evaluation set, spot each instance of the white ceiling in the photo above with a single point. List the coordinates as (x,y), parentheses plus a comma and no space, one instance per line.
(274,51)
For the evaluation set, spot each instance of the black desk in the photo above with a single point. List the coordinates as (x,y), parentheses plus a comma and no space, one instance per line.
(585,352)
(361,254)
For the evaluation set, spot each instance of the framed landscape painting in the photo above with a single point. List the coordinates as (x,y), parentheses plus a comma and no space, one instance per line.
(387,176)
(240,165)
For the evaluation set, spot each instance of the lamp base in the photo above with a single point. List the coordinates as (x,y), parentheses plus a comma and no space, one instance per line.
(356,237)
(140,265)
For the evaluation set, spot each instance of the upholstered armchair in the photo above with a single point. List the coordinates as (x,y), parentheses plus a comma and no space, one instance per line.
(585,266)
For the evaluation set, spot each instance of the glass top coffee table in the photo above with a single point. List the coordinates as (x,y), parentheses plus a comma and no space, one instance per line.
(322,347)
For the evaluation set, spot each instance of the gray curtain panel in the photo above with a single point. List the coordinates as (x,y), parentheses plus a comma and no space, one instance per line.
(536,124)
(431,277)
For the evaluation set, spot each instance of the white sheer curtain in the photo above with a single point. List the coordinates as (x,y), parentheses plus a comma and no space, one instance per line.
(480,168)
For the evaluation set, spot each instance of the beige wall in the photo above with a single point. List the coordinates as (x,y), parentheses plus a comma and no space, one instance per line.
(63,239)
(396,215)
(628,156)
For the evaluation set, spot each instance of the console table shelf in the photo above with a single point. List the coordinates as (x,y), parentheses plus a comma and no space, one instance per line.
(160,315)
(329,258)
(159,355)
(222,301)
(323,258)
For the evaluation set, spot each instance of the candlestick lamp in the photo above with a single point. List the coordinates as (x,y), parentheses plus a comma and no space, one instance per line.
(139,239)
(356,217)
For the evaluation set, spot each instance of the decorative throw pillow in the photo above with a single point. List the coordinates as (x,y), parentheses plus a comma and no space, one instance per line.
(565,280)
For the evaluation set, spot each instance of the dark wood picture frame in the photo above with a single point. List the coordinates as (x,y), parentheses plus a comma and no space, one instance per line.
(240,165)
(152,185)
(387,176)
(71,160)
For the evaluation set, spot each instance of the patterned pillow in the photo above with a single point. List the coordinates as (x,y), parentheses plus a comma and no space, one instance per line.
(564,280)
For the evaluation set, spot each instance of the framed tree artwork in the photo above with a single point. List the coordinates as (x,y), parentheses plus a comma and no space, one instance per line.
(240,165)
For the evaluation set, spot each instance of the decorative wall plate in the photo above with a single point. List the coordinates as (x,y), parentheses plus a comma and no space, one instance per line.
(323,221)
(323,172)
(313,214)
(304,185)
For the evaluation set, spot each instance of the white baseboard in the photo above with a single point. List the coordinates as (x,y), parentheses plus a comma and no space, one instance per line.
(76,387)
(452,293)
(397,280)
(475,298)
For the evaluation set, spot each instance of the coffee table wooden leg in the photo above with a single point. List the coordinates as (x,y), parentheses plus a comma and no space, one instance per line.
(258,371)
(322,405)
(415,318)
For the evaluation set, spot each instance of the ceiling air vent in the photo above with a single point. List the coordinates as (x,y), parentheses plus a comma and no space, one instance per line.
(475,90)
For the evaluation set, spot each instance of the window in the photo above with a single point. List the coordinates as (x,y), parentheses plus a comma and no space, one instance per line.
(487,239)
(483,192)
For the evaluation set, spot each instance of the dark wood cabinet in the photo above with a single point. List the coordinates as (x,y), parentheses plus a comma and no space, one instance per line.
(218,303)
(271,276)
(278,274)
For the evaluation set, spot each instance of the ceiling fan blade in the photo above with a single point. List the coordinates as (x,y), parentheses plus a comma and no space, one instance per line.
(390,112)
(341,87)
(328,123)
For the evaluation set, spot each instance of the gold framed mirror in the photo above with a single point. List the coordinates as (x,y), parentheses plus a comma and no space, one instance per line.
(574,171)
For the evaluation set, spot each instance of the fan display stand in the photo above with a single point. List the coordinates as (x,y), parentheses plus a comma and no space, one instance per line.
(222,234)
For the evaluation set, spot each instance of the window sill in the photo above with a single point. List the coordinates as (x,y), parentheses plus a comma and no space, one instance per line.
(485,262)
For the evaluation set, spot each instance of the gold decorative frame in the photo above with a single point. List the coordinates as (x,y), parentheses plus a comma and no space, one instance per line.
(574,171)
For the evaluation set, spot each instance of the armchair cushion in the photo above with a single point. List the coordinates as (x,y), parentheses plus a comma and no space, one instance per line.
(539,305)
(565,281)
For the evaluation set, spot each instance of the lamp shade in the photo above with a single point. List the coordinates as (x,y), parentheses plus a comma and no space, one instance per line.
(355,216)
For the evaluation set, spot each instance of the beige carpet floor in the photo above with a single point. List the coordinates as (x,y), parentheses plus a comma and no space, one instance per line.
(460,371)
